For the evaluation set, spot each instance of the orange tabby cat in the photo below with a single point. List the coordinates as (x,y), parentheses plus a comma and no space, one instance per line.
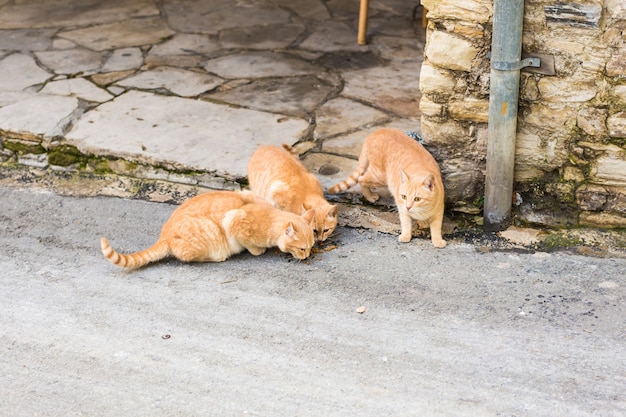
(278,176)
(213,226)
(390,158)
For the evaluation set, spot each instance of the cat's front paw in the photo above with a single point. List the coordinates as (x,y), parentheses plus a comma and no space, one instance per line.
(404,237)
(371,197)
(256,251)
(439,243)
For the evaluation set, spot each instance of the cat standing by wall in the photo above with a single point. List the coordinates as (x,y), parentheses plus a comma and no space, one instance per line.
(278,176)
(213,226)
(391,158)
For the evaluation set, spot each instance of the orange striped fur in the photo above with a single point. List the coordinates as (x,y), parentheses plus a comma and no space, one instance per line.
(278,176)
(213,226)
(391,158)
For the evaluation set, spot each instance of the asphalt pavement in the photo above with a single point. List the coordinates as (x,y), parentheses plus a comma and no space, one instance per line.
(367,326)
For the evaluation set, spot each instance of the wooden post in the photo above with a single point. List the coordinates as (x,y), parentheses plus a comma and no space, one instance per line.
(363,14)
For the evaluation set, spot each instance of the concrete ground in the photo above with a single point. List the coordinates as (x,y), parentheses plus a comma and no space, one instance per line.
(367,326)
(162,99)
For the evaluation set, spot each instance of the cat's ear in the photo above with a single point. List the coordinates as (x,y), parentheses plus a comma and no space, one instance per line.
(305,209)
(429,182)
(289,231)
(332,213)
(404,178)
(309,215)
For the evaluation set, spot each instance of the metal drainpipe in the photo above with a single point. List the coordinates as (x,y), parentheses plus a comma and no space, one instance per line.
(506,51)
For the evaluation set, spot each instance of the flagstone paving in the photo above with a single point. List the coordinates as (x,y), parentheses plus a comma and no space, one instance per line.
(193,85)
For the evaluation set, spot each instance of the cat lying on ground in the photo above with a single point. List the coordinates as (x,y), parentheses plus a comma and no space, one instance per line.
(278,176)
(391,158)
(213,226)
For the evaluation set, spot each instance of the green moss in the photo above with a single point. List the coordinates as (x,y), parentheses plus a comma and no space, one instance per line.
(66,155)
(100,166)
(560,240)
(23,148)
(131,166)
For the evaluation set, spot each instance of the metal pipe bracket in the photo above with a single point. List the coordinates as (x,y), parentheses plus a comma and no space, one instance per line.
(517,65)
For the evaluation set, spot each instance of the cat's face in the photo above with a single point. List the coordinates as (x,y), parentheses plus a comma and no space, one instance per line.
(298,237)
(415,193)
(325,222)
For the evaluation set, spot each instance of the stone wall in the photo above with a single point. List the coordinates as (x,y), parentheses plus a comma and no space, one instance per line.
(571,143)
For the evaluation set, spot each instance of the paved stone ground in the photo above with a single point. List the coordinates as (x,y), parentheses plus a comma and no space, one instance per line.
(151,89)
(160,100)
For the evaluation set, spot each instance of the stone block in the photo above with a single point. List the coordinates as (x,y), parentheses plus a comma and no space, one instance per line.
(573,174)
(329,169)
(431,109)
(342,115)
(617,125)
(436,81)
(567,90)
(20,71)
(469,30)
(562,43)
(616,66)
(479,11)
(462,179)
(616,8)
(528,88)
(535,154)
(77,87)
(592,121)
(616,201)
(33,160)
(610,169)
(591,197)
(620,92)
(555,116)
(446,134)
(181,82)
(574,14)
(482,137)
(121,34)
(123,60)
(450,51)
(44,116)
(592,219)
(470,109)
(140,127)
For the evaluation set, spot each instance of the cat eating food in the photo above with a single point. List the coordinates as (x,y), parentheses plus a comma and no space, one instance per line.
(213,226)
(391,158)
(278,176)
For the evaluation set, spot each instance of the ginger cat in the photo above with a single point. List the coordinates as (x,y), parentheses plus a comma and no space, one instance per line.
(278,176)
(390,158)
(213,226)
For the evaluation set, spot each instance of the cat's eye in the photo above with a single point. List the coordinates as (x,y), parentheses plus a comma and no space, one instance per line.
(416,199)
(403,196)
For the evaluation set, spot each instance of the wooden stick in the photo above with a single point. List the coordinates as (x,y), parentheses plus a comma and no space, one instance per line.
(363,13)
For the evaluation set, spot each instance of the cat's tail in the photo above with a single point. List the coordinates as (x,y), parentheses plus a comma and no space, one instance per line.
(353,179)
(290,149)
(134,260)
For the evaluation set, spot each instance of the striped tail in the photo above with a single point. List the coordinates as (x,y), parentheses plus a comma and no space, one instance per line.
(134,260)
(290,149)
(349,182)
